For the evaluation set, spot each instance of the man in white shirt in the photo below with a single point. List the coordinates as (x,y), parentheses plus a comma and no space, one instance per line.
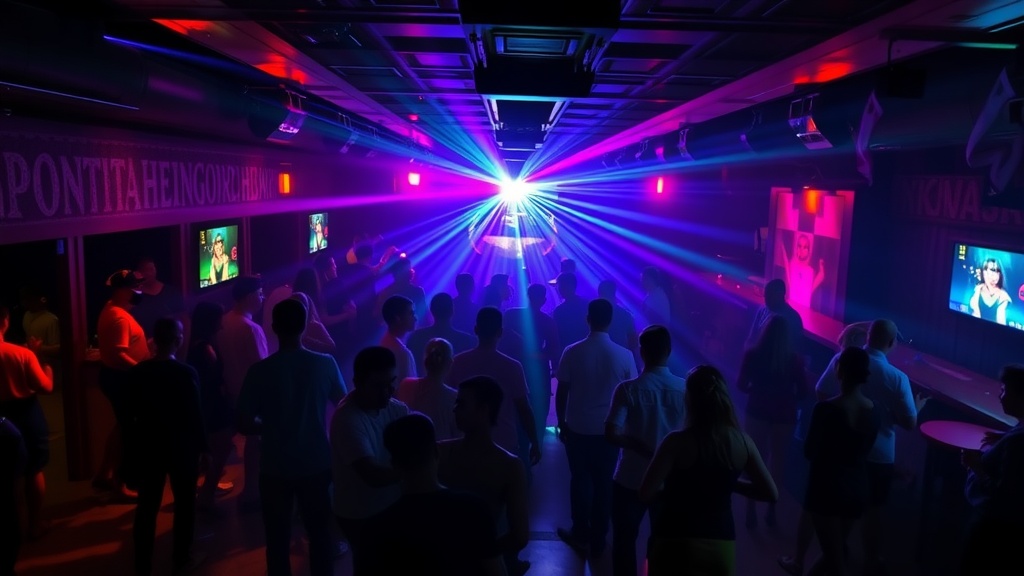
(486,360)
(889,388)
(243,343)
(587,375)
(643,412)
(364,482)
(400,316)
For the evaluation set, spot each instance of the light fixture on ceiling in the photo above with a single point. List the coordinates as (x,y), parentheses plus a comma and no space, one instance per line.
(801,121)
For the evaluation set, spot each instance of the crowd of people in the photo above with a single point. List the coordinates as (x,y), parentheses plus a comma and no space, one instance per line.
(415,440)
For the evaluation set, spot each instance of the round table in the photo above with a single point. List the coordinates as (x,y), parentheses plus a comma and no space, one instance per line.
(949,435)
(953,434)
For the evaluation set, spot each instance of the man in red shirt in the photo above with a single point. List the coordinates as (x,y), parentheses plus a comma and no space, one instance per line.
(122,344)
(21,378)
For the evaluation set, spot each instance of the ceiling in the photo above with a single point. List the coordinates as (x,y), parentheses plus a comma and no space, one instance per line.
(556,87)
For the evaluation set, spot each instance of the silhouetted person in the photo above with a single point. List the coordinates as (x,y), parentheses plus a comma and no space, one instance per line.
(431,395)
(164,400)
(889,388)
(159,299)
(775,378)
(571,315)
(243,343)
(402,284)
(843,430)
(441,309)
(587,376)
(657,308)
(364,481)
(463,305)
(643,412)
(400,316)
(22,378)
(995,489)
(540,346)
(476,464)
(693,476)
(775,305)
(430,529)
(622,330)
(218,413)
(283,400)
(486,360)
(122,344)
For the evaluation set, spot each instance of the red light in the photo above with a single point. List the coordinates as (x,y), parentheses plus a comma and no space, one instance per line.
(812,200)
(661,185)
(414,178)
(284,183)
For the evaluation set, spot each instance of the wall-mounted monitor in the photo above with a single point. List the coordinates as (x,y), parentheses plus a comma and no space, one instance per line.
(317,232)
(219,254)
(988,284)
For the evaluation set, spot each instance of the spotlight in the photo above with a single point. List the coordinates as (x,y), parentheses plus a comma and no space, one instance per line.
(661,185)
(414,178)
(513,191)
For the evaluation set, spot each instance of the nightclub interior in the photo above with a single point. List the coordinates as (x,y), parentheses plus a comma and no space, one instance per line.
(618,178)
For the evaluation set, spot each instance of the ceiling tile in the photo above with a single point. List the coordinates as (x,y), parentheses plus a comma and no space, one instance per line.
(429,44)
(435,60)
(644,50)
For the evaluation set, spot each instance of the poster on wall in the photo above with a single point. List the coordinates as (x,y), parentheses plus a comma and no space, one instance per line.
(809,247)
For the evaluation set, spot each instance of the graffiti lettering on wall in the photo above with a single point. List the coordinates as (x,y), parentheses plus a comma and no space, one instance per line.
(952,199)
(52,178)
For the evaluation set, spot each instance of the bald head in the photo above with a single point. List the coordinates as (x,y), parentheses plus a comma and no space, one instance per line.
(882,335)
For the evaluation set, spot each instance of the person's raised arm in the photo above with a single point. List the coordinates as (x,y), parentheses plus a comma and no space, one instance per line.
(828,384)
(760,485)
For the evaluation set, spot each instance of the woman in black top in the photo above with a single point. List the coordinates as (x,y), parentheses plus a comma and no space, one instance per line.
(693,476)
(204,356)
(843,430)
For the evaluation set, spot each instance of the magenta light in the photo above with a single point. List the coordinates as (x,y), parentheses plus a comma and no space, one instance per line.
(414,178)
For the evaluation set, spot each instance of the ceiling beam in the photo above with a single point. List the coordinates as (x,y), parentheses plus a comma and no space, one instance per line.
(379,15)
(732,25)
(135,11)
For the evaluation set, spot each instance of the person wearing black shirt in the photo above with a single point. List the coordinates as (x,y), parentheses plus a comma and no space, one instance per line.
(164,400)
(431,529)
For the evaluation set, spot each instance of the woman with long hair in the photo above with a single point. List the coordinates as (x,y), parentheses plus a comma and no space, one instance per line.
(692,478)
(431,394)
(990,298)
(204,356)
(843,430)
(774,378)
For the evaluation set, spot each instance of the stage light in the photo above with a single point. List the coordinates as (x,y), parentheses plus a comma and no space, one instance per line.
(661,185)
(414,178)
(513,191)
(284,183)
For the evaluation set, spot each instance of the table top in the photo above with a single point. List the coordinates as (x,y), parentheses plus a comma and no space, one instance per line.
(954,385)
(960,435)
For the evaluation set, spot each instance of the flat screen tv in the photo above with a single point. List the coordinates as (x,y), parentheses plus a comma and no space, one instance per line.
(317,232)
(219,255)
(988,284)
